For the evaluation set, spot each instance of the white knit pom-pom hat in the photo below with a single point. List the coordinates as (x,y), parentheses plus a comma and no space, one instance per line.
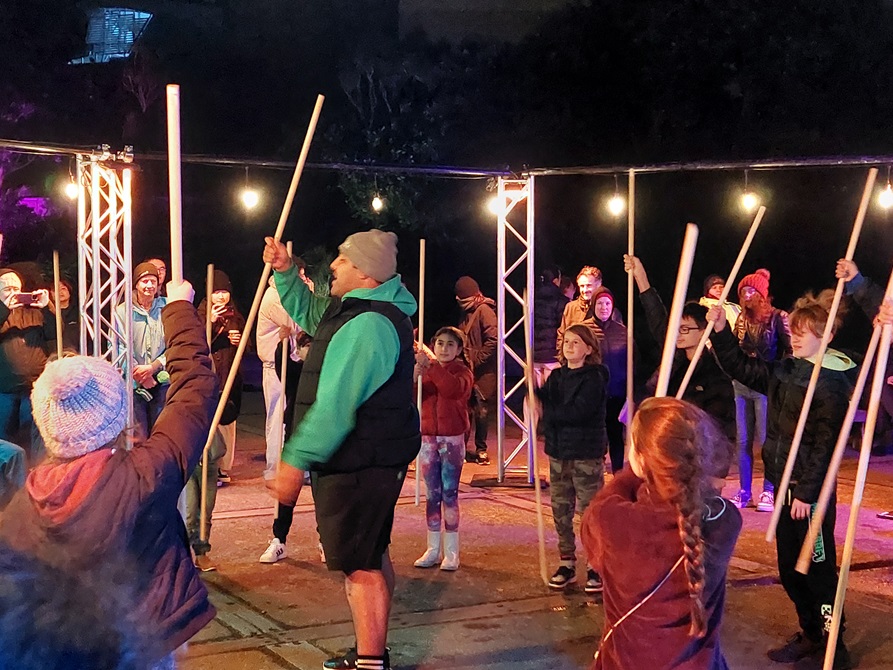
(79,404)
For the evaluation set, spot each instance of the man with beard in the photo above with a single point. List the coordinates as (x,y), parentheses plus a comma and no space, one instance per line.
(478,322)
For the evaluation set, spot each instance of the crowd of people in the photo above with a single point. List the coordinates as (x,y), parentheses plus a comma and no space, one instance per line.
(89,496)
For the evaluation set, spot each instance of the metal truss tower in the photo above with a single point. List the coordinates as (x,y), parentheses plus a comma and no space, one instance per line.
(104,259)
(515,278)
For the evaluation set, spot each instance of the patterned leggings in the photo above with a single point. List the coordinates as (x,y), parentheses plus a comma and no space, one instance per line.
(441,460)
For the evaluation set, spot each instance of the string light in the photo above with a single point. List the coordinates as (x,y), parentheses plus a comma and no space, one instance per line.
(749,199)
(377,204)
(71,190)
(885,197)
(250,197)
(616,203)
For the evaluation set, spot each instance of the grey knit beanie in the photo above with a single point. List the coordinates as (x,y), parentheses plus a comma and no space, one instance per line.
(79,404)
(374,252)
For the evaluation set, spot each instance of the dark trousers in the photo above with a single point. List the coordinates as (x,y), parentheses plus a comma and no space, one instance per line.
(17,426)
(615,432)
(812,594)
(282,523)
(478,413)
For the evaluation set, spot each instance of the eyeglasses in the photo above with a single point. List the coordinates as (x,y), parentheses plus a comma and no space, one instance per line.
(685,330)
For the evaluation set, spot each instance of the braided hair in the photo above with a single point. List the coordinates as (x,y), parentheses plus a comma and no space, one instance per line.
(675,443)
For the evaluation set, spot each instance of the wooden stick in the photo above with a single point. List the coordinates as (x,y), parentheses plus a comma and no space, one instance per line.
(730,282)
(265,275)
(283,371)
(418,475)
(877,386)
(203,510)
(531,442)
(781,491)
(685,262)
(56,285)
(630,302)
(829,486)
(174,181)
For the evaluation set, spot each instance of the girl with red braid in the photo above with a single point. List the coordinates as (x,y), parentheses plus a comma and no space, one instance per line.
(664,608)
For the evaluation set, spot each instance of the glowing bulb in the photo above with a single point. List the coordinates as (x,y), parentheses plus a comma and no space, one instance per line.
(377,204)
(616,205)
(250,198)
(495,205)
(749,200)
(71,190)
(885,197)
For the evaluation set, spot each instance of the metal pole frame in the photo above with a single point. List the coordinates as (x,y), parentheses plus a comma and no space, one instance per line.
(105,264)
(511,193)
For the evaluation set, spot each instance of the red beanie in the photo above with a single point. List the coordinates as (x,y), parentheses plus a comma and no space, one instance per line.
(759,281)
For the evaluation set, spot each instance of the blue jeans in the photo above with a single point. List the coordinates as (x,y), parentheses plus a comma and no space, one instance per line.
(145,412)
(17,425)
(750,417)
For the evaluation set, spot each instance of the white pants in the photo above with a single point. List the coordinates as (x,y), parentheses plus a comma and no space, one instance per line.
(274,400)
(228,433)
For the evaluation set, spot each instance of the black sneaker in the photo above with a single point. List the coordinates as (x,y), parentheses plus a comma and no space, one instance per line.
(349,660)
(593,582)
(563,576)
(842,660)
(471,457)
(797,647)
(483,458)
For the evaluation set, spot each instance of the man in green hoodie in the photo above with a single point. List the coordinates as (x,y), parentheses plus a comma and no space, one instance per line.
(357,427)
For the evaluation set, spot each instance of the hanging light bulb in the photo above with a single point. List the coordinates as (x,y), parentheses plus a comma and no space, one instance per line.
(71,190)
(495,205)
(885,197)
(749,201)
(250,198)
(377,204)
(616,204)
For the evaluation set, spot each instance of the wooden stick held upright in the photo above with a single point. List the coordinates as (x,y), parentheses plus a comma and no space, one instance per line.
(203,510)
(265,275)
(782,490)
(630,300)
(56,285)
(532,445)
(174,181)
(682,278)
(730,282)
(421,340)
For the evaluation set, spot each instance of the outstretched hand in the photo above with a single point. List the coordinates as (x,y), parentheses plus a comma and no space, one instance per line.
(846,269)
(717,315)
(634,265)
(276,254)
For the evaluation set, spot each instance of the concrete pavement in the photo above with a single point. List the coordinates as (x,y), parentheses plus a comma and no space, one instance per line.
(494,612)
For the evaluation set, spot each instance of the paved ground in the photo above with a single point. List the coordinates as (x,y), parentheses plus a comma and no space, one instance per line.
(494,612)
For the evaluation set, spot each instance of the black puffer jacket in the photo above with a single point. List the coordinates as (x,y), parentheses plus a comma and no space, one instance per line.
(710,388)
(548,308)
(574,412)
(785,382)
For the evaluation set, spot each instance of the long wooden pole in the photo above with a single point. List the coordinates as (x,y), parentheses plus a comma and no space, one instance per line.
(174,181)
(531,442)
(203,509)
(421,340)
(265,275)
(730,282)
(877,386)
(630,300)
(682,278)
(56,285)
(781,491)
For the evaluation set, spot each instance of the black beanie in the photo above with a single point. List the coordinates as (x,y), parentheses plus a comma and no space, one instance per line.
(466,287)
(222,282)
(712,281)
(144,269)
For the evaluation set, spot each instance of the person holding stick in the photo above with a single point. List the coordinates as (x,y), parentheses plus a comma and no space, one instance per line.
(356,422)
(107,513)
(784,382)
(665,609)
(447,383)
(573,404)
(763,332)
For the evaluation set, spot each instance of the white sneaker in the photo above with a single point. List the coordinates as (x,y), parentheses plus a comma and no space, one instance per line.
(766,502)
(275,552)
(322,553)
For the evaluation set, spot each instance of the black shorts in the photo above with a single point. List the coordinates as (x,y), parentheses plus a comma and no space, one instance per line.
(355,514)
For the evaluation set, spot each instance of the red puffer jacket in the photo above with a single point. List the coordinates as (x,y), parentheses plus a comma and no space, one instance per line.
(445,393)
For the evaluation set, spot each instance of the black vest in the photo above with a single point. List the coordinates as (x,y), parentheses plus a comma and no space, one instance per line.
(387,432)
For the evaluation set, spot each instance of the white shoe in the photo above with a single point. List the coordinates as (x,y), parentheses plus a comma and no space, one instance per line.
(432,554)
(275,552)
(766,502)
(450,551)
(322,552)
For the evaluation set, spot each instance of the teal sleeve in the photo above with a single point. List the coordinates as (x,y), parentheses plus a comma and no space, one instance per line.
(305,308)
(360,358)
